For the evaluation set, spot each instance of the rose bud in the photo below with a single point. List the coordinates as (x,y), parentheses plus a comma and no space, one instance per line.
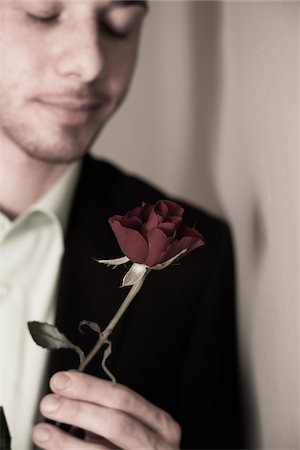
(152,234)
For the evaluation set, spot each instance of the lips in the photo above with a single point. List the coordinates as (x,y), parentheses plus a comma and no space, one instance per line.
(70,111)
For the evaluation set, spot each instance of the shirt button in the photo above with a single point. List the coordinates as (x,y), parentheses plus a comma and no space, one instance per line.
(4,290)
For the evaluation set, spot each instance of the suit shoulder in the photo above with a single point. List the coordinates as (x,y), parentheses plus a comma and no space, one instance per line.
(127,191)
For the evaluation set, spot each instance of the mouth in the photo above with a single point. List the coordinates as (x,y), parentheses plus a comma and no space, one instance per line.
(69,111)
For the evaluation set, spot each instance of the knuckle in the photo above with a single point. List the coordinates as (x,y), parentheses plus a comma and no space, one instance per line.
(122,425)
(172,429)
(177,431)
(123,398)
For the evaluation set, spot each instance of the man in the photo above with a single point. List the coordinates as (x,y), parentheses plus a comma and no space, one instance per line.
(65,68)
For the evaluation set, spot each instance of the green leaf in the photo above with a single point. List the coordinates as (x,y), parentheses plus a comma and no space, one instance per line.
(48,336)
(5,438)
(92,325)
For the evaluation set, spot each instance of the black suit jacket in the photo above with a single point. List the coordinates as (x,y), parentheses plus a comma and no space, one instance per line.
(176,344)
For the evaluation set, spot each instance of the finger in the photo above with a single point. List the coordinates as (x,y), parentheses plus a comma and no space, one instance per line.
(76,385)
(49,437)
(116,426)
(92,437)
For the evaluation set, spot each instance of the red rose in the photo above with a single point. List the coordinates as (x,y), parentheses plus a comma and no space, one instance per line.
(152,234)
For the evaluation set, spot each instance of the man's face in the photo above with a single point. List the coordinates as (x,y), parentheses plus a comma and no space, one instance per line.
(65,67)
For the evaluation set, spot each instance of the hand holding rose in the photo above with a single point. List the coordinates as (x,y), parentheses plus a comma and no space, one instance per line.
(112,416)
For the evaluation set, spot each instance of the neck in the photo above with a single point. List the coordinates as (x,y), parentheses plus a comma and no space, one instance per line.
(24,180)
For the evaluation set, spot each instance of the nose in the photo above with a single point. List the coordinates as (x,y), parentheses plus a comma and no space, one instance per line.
(80,55)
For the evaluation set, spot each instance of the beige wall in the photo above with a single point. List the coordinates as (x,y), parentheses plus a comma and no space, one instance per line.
(213,117)
(258,172)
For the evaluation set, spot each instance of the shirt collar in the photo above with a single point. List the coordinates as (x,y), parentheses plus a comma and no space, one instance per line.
(57,201)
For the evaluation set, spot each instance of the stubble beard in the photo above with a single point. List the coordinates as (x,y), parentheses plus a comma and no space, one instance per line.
(65,147)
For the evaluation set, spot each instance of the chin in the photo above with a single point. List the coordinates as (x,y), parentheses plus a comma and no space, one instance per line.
(61,148)
(55,158)
(54,154)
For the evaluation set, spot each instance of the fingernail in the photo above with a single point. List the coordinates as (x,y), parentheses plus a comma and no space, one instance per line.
(50,403)
(61,381)
(41,434)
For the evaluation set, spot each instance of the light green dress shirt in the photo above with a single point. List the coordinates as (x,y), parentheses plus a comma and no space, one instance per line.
(31,248)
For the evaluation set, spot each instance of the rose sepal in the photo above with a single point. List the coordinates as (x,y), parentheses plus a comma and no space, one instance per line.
(135,274)
(114,262)
(137,270)
(170,261)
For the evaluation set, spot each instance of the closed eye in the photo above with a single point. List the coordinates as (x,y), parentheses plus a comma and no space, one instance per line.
(113,32)
(120,23)
(43,19)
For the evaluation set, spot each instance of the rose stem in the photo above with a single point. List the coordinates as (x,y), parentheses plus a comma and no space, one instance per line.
(105,334)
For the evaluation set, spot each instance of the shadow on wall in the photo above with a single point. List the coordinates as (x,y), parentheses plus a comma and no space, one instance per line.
(205,19)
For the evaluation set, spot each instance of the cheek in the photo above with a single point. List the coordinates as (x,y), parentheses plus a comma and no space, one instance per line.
(22,62)
(120,67)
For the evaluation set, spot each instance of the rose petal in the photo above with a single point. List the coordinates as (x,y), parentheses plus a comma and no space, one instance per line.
(168,228)
(152,222)
(130,241)
(191,239)
(175,219)
(169,208)
(190,243)
(161,208)
(135,212)
(131,222)
(189,231)
(142,212)
(173,249)
(116,217)
(157,244)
